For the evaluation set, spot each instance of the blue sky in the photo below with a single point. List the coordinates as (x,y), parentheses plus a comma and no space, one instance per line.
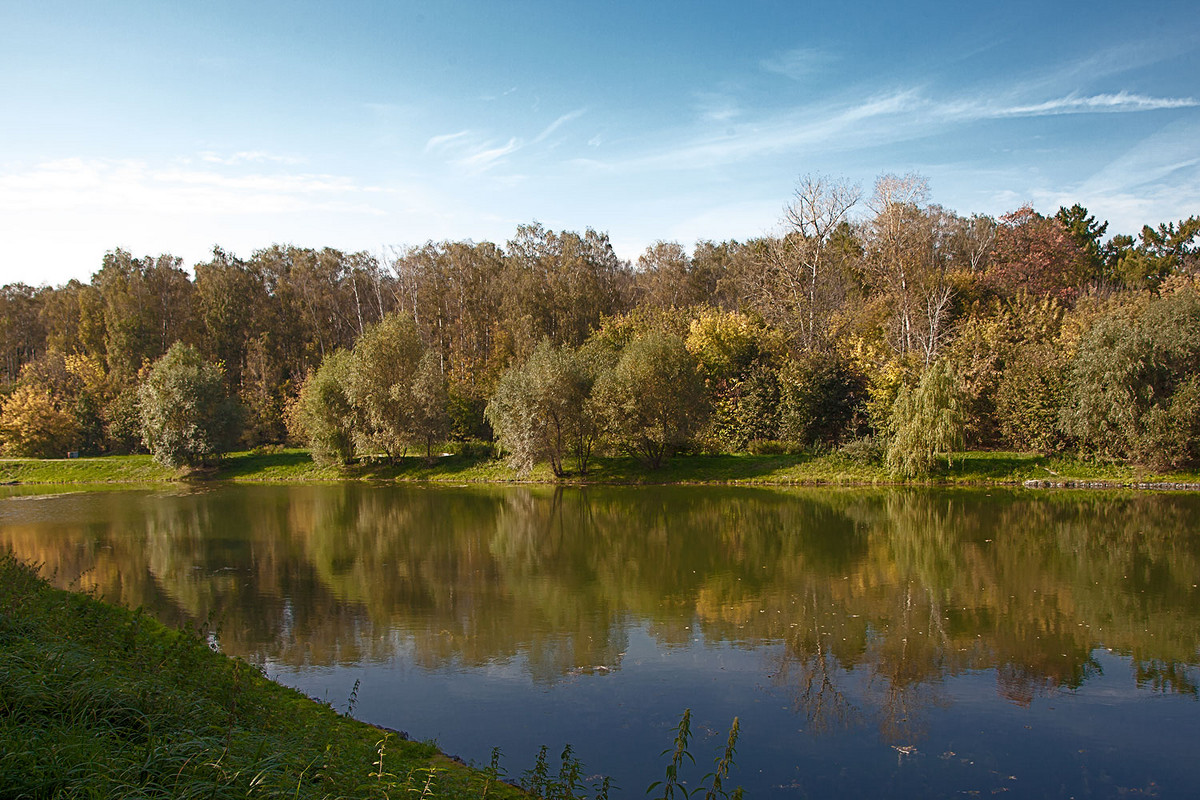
(174,126)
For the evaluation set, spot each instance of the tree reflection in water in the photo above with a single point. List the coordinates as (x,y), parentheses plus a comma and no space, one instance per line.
(872,599)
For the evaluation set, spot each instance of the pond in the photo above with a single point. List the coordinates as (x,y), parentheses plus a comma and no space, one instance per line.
(872,643)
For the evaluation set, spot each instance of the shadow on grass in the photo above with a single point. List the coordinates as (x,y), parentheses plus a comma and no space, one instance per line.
(996,466)
(240,465)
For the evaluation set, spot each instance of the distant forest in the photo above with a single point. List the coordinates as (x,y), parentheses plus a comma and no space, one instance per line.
(877,323)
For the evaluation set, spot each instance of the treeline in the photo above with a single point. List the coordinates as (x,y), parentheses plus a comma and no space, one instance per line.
(884,325)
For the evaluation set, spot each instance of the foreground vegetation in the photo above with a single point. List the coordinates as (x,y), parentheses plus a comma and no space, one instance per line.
(476,465)
(98,701)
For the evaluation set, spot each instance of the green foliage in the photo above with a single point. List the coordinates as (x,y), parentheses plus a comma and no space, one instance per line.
(322,415)
(653,399)
(927,423)
(1030,397)
(745,409)
(1011,357)
(398,390)
(1132,381)
(712,785)
(543,409)
(187,418)
(822,399)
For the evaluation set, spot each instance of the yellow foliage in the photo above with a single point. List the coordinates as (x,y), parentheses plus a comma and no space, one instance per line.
(33,425)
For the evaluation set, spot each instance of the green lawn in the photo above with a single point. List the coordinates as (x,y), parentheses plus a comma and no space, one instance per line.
(293,465)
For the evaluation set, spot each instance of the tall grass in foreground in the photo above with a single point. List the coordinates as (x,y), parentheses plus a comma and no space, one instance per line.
(98,701)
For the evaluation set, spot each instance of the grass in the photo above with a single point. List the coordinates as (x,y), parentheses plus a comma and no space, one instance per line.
(108,469)
(100,701)
(295,466)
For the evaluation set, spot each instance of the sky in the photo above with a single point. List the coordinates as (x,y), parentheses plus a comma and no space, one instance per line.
(171,127)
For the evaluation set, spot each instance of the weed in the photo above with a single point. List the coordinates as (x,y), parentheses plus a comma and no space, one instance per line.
(712,785)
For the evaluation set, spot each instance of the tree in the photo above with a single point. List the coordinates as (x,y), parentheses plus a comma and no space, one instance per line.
(653,398)
(1038,255)
(147,305)
(398,391)
(22,335)
(322,415)
(187,417)
(1086,232)
(430,419)
(821,397)
(1159,253)
(737,357)
(908,257)
(1132,384)
(926,423)
(543,410)
(819,208)
(560,285)
(33,424)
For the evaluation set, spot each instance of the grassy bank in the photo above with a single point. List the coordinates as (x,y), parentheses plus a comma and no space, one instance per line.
(99,701)
(290,465)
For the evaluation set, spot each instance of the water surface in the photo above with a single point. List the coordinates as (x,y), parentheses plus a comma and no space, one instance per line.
(872,643)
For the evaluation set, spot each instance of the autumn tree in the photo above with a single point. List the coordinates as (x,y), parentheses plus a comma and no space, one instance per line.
(34,424)
(147,305)
(908,261)
(560,285)
(820,206)
(737,360)
(22,332)
(1038,255)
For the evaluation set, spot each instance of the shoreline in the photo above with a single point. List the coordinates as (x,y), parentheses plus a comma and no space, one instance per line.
(981,469)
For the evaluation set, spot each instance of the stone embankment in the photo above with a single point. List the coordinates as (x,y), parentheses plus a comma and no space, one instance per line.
(1163,486)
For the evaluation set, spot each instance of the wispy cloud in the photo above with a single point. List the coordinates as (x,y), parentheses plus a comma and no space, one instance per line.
(446,139)
(797,64)
(558,123)
(248,157)
(469,150)
(719,107)
(901,115)
(484,158)
(1121,102)
(140,187)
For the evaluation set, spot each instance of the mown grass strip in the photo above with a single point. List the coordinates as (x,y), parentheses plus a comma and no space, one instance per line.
(295,466)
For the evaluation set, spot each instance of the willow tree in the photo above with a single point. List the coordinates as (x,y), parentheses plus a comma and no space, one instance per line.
(542,410)
(927,423)
(396,388)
